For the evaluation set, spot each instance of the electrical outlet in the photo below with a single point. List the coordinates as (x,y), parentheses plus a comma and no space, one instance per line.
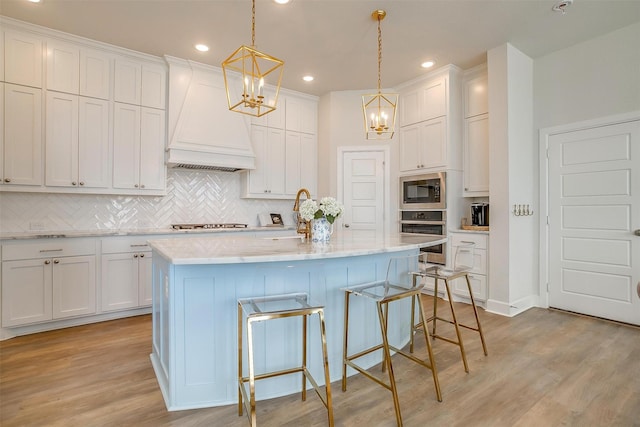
(36,225)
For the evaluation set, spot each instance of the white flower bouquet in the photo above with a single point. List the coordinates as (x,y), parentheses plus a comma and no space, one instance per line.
(328,207)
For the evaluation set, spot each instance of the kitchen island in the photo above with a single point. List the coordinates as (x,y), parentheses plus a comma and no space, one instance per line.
(196,285)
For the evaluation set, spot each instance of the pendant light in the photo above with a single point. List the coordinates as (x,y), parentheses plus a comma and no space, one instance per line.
(379,109)
(246,73)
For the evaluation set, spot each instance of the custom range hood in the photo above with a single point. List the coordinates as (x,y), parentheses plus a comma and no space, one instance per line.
(203,133)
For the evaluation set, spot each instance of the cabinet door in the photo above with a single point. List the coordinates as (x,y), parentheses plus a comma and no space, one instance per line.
(26,291)
(476,156)
(95,74)
(74,286)
(22,135)
(293,177)
(276,118)
(1,128)
(257,179)
(126,146)
(154,83)
(119,285)
(128,81)
(478,287)
(94,162)
(476,96)
(145,292)
(301,115)
(309,163)
(433,144)
(152,143)
(61,163)
(410,107)
(63,67)
(409,148)
(434,99)
(23,59)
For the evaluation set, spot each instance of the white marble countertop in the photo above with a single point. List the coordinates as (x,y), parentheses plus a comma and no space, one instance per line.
(239,249)
(129,232)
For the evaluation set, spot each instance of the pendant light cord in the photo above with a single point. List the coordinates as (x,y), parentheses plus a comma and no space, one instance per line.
(379,53)
(253,24)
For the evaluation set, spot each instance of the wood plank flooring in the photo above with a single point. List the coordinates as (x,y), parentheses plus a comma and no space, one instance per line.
(545,368)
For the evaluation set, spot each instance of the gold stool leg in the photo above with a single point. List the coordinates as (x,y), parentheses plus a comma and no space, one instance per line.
(387,361)
(344,342)
(435,306)
(304,357)
(475,312)
(386,325)
(240,383)
(252,374)
(325,357)
(432,360)
(456,326)
(414,327)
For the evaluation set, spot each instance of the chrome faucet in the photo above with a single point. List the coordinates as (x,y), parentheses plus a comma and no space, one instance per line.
(302,226)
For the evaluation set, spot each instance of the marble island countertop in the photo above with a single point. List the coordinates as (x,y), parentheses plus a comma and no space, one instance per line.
(42,234)
(239,249)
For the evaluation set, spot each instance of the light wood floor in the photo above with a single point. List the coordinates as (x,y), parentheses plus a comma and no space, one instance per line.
(545,368)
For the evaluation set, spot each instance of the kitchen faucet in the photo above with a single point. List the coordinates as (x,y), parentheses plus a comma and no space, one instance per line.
(302,226)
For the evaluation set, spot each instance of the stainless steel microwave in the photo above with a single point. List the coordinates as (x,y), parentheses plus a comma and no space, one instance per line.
(423,191)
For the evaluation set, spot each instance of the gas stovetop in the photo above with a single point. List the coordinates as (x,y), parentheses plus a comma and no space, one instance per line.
(206,226)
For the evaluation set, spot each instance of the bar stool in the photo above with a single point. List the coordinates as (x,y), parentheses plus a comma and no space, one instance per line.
(261,309)
(403,281)
(463,264)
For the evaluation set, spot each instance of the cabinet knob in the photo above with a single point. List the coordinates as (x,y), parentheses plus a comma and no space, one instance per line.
(141,255)
(7,180)
(47,262)
(466,189)
(136,185)
(73,183)
(81,182)
(135,255)
(142,186)
(346,226)
(56,261)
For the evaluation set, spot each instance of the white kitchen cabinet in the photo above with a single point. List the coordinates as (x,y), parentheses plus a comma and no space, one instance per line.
(301,115)
(22,150)
(77,141)
(140,83)
(95,74)
(423,101)
(276,118)
(2,56)
(424,145)
(476,156)
(138,148)
(47,280)
(479,273)
(23,58)
(1,132)
(267,180)
(63,67)
(301,163)
(126,273)
(475,139)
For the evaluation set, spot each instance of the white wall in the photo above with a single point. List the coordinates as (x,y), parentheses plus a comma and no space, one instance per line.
(599,77)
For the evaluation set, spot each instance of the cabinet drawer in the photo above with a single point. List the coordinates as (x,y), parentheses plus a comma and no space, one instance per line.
(113,245)
(478,285)
(48,248)
(480,240)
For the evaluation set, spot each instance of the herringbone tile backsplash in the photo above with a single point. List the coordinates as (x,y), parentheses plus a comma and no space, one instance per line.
(192,197)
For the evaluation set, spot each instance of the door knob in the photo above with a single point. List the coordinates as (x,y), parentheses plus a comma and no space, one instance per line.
(346,226)
(637,232)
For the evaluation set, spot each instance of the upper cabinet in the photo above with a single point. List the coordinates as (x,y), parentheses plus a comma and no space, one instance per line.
(429,111)
(476,132)
(23,58)
(63,115)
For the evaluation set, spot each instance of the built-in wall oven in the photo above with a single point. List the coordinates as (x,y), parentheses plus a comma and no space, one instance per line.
(431,222)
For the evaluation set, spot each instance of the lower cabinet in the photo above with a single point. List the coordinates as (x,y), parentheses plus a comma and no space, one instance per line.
(48,281)
(126,273)
(479,272)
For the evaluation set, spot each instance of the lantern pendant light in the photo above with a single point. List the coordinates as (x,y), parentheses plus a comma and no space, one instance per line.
(379,109)
(247,72)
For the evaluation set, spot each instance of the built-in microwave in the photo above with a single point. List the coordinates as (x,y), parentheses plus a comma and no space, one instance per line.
(423,191)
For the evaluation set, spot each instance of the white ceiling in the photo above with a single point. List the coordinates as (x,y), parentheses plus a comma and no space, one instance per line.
(335,40)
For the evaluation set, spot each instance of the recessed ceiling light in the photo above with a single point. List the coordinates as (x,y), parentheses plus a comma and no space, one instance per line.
(202,47)
(427,64)
(35,1)
(308,78)
(282,1)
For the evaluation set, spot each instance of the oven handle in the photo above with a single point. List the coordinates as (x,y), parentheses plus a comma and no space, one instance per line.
(423,222)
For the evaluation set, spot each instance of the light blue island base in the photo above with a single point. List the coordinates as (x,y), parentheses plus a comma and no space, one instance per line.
(195,293)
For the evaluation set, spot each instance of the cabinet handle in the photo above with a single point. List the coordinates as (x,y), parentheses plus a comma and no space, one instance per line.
(143,245)
(50,250)
(135,255)
(141,255)
(73,183)
(81,182)
(47,262)
(56,261)
(7,180)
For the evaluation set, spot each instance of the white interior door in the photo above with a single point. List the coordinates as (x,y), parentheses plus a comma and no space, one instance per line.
(363,180)
(594,211)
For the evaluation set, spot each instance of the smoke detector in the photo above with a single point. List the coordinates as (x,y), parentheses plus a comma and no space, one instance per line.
(561,6)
